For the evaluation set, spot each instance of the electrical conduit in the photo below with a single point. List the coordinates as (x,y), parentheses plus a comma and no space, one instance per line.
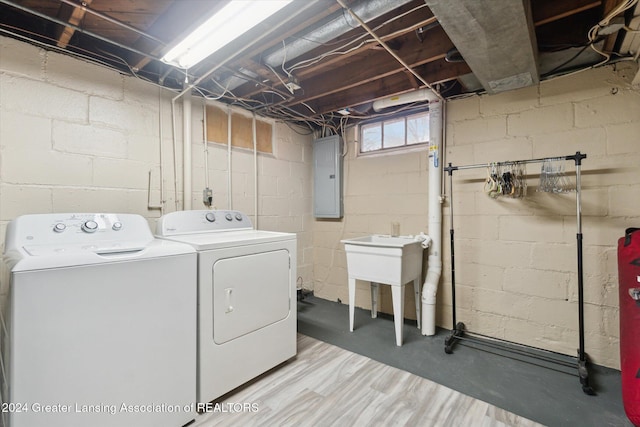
(255,169)
(186,151)
(434,270)
(229,200)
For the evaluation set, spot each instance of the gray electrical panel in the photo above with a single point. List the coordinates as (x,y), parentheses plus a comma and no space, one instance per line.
(327,177)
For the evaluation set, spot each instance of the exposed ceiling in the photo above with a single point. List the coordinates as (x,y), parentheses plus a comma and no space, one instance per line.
(314,58)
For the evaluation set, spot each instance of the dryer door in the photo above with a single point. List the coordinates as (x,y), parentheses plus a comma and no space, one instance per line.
(249,292)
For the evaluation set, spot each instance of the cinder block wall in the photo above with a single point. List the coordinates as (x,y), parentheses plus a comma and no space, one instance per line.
(515,258)
(378,190)
(76,137)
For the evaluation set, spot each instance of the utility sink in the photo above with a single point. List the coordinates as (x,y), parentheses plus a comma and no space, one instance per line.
(383,259)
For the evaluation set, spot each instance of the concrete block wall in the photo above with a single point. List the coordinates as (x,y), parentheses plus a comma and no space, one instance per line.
(515,258)
(77,137)
(284,184)
(516,269)
(378,190)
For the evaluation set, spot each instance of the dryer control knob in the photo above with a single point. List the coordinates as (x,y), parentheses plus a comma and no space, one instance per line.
(228,217)
(59,227)
(90,226)
(239,217)
(117,226)
(210,217)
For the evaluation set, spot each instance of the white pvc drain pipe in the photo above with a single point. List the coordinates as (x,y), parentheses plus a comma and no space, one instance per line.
(434,269)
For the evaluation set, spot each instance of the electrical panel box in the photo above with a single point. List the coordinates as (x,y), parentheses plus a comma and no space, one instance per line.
(327,177)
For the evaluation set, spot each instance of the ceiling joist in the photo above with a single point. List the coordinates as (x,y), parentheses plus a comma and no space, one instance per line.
(348,69)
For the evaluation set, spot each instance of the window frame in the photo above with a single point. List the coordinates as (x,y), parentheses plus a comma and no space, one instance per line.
(405,117)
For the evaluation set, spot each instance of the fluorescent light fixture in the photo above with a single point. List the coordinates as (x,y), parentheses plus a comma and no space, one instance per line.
(233,20)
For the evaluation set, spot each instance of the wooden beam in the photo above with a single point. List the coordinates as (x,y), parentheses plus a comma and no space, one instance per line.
(369,46)
(435,72)
(553,10)
(387,32)
(377,65)
(73,15)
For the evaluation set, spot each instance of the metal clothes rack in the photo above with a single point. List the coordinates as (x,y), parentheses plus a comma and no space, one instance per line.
(459,333)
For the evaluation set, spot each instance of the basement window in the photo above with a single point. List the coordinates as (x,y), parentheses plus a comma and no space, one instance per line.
(394,133)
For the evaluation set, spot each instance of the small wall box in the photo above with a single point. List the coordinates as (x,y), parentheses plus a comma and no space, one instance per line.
(327,177)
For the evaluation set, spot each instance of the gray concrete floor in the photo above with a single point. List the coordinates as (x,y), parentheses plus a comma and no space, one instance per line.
(549,395)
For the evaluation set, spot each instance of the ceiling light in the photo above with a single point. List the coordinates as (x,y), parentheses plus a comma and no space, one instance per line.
(233,20)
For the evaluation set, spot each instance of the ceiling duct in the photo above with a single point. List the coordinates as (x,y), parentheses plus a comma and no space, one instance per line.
(330,28)
(496,40)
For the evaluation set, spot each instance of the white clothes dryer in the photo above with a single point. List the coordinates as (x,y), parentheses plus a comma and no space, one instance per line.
(100,324)
(246,296)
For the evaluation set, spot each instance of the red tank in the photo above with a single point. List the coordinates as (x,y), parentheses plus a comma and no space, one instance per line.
(629,294)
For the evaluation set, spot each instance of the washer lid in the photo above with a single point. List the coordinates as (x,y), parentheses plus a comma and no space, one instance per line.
(41,257)
(207,241)
(43,241)
(65,229)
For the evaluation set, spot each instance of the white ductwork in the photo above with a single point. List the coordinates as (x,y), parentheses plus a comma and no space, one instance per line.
(419,95)
(434,269)
(326,30)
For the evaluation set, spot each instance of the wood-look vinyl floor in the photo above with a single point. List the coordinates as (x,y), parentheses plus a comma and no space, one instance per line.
(328,386)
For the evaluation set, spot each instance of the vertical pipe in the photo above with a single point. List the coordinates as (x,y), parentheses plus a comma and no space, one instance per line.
(434,270)
(255,170)
(443,153)
(186,151)
(161,152)
(174,137)
(229,202)
(206,146)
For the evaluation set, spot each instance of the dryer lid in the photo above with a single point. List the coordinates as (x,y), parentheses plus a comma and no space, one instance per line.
(208,241)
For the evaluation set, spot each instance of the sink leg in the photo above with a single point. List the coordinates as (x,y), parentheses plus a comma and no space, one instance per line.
(397,295)
(416,290)
(374,300)
(352,300)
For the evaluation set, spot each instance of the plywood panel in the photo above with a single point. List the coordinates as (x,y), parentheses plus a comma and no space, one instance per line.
(241,130)
(216,125)
(264,136)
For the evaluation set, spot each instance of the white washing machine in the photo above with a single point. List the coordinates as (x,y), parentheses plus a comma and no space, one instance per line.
(100,324)
(246,296)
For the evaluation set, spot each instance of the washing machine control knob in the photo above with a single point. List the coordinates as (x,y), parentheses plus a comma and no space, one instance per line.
(117,226)
(239,217)
(228,217)
(210,217)
(59,227)
(90,226)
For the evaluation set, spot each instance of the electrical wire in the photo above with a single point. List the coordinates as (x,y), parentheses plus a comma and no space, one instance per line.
(594,38)
(592,35)
(320,58)
(388,49)
(336,51)
(568,61)
(336,124)
(279,78)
